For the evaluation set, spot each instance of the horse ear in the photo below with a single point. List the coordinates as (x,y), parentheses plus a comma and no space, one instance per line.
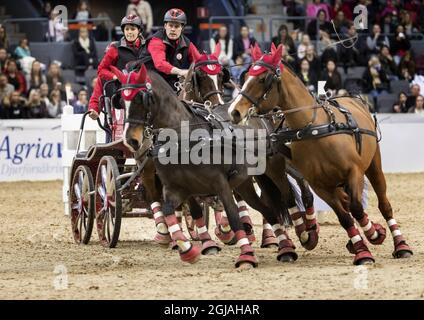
(118,73)
(217,51)
(256,52)
(277,54)
(273,48)
(142,74)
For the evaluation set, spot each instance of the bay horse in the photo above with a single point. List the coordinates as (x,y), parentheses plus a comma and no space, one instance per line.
(334,144)
(152,106)
(204,84)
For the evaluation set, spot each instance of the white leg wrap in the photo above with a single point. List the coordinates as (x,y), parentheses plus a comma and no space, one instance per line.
(367,227)
(158,214)
(277,226)
(298,222)
(281,237)
(174,228)
(242,204)
(310,216)
(293,210)
(202,229)
(396,233)
(356,239)
(267,226)
(178,214)
(242,242)
(155,205)
(243,213)
(391,222)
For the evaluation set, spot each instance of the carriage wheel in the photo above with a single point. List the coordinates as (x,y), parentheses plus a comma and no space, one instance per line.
(191,226)
(108,202)
(82,204)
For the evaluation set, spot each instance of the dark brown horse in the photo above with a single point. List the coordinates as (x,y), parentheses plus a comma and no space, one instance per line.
(152,107)
(334,164)
(204,84)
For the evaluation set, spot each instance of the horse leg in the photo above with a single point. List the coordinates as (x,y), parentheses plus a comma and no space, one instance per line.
(376,177)
(208,245)
(150,182)
(286,248)
(338,200)
(223,230)
(245,218)
(247,253)
(188,252)
(312,226)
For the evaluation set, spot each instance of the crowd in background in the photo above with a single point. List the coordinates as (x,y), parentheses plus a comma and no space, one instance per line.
(29,89)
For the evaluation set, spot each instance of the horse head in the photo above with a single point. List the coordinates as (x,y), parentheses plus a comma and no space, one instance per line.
(261,86)
(137,96)
(209,77)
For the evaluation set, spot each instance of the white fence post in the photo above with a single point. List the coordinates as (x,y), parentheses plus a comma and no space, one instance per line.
(92,134)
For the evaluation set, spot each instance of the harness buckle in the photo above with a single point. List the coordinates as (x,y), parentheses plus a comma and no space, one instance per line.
(148,133)
(210,117)
(207,104)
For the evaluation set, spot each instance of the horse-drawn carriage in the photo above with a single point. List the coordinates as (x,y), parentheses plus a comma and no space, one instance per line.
(105,182)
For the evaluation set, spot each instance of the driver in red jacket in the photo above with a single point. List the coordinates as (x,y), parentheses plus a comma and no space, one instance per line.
(117,54)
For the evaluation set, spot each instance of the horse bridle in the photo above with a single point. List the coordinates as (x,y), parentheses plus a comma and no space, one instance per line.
(273,74)
(195,84)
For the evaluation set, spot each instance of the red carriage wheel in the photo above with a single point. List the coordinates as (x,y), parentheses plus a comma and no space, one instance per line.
(82,204)
(108,202)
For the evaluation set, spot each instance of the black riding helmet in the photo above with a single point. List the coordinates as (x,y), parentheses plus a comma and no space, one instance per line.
(175,15)
(131,19)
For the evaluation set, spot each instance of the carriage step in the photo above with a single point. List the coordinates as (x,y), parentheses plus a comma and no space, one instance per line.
(138,213)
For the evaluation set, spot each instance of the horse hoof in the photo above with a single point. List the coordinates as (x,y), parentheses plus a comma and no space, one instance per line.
(363,258)
(173,245)
(247,259)
(269,242)
(287,254)
(225,237)
(350,248)
(312,240)
(192,255)
(381,234)
(402,251)
(209,247)
(286,258)
(162,239)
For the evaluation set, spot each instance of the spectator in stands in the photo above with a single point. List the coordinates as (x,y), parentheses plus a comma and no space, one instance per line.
(400,105)
(286,57)
(83,12)
(387,25)
(44,93)
(22,50)
(14,106)
(242,44)
(323,25)
(283,37)
(375,78)
(5,87)
(388,63)
(326,49)
(85,53)
(412,98)
(333,78)
(3,59)
(57,30)
(376,40)
(36,78)
(238,69)
(15,77)
(4,42)
(352,53)
(407,23)
(314,63)
(341,23)
(142,9)
(54,76)
(223,37)
(36,107)
(55,105)
(81,105)
(101,33)
(407,66)
(313,9)
(308,78)
(47,9)
(304,44)
(400,44)
(418,107)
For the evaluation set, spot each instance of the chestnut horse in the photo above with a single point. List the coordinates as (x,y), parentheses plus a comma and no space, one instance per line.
(334,144)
